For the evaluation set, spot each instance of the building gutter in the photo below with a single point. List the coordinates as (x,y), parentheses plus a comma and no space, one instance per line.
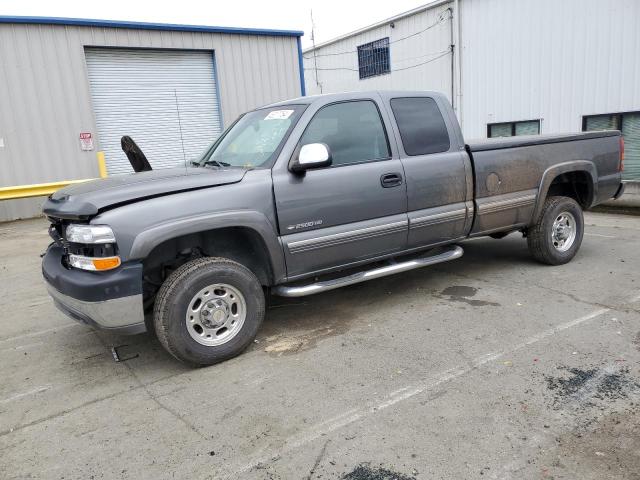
(88,22)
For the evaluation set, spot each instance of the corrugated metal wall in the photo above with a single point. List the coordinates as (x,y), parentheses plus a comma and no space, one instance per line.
(45,101)
(166,100)
(521,60)
(549,60)
(420,62)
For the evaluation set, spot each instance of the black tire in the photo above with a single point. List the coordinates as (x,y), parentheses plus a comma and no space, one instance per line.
(177,292)
(539,237)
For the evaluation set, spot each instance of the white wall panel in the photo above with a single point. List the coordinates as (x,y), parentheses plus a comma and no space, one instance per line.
(549,60)
(521,59)
(338,72)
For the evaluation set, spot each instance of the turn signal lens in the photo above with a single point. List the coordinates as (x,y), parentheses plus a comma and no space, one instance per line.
(94,264)
(106,263)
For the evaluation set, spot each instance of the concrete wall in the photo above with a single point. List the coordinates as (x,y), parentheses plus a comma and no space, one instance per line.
(45,100)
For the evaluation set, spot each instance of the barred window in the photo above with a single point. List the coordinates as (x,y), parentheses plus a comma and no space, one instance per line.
(373,58)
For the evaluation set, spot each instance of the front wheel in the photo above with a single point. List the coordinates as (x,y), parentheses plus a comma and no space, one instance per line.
(557,235)
(208,310)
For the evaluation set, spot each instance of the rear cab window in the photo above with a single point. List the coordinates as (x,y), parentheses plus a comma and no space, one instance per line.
(421,125)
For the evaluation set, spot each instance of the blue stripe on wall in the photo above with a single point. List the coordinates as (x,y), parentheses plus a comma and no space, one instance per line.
(303,90)
(87,22)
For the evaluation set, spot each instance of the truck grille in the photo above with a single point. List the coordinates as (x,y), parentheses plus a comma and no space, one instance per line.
(55,232)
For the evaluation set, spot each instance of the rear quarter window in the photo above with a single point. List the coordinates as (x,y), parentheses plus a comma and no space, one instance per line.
(421,125)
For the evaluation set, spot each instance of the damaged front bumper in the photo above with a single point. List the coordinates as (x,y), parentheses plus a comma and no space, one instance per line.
(106,300)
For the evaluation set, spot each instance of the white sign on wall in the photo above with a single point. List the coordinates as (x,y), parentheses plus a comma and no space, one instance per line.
(86,141)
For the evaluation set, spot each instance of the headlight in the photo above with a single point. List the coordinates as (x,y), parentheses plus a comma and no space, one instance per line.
(97,258)
(90,234)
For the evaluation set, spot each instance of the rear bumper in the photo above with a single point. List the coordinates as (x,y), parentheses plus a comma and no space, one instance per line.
(106,300)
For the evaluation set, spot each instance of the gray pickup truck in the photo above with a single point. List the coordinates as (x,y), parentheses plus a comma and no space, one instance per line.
(304,196)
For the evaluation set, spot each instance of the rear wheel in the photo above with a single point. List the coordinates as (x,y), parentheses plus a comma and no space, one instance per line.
(208,310)
(557,235)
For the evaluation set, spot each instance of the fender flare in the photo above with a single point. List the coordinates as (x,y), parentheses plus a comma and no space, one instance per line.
(150,238)
(552,172)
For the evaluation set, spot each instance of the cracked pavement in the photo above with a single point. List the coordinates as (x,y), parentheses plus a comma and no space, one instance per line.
(491,366)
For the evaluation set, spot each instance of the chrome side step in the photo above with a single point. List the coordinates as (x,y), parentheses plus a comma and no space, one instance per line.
(301,290)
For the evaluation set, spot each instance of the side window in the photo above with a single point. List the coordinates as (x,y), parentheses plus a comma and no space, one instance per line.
(512,129)
(629,124)
(421,125)
(352,130)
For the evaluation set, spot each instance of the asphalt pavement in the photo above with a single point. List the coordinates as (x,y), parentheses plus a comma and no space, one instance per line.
(490,366)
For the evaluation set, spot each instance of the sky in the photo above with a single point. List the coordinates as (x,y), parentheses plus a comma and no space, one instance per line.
(331,17)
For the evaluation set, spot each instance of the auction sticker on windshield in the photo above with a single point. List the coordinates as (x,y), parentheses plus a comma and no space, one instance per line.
(279,115)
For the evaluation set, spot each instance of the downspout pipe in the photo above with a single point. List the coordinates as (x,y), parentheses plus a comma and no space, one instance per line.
(452,46)
(458,62)
(303,90)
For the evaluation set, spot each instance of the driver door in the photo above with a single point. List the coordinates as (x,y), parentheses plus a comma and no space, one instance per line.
(351,211)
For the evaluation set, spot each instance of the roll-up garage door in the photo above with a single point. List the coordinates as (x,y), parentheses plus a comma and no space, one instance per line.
(166,100)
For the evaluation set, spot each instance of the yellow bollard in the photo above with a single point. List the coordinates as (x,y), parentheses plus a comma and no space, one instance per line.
(102,165)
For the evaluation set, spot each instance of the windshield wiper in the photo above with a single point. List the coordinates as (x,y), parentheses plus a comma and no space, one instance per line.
(217,163)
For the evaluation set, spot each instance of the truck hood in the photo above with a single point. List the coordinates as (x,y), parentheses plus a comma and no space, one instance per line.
(87,199)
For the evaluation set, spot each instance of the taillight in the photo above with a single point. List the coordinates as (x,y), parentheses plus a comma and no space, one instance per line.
(621,153)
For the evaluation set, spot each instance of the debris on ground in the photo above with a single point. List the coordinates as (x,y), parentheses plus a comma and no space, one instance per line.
(285,345)
(364,472)
(587,385)
(279,345)
(117,356)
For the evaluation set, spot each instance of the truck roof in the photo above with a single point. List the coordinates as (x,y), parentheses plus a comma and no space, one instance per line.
(351,95)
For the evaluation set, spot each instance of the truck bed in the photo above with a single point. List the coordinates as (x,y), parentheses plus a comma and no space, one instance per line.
(483,144)
(513,173)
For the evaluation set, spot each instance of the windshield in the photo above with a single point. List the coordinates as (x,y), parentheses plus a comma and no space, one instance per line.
(252,141)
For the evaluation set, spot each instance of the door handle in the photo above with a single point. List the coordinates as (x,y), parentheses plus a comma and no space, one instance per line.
(391,180)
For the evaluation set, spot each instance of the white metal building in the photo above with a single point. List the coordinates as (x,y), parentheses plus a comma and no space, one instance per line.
(70,88)
(512,67)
